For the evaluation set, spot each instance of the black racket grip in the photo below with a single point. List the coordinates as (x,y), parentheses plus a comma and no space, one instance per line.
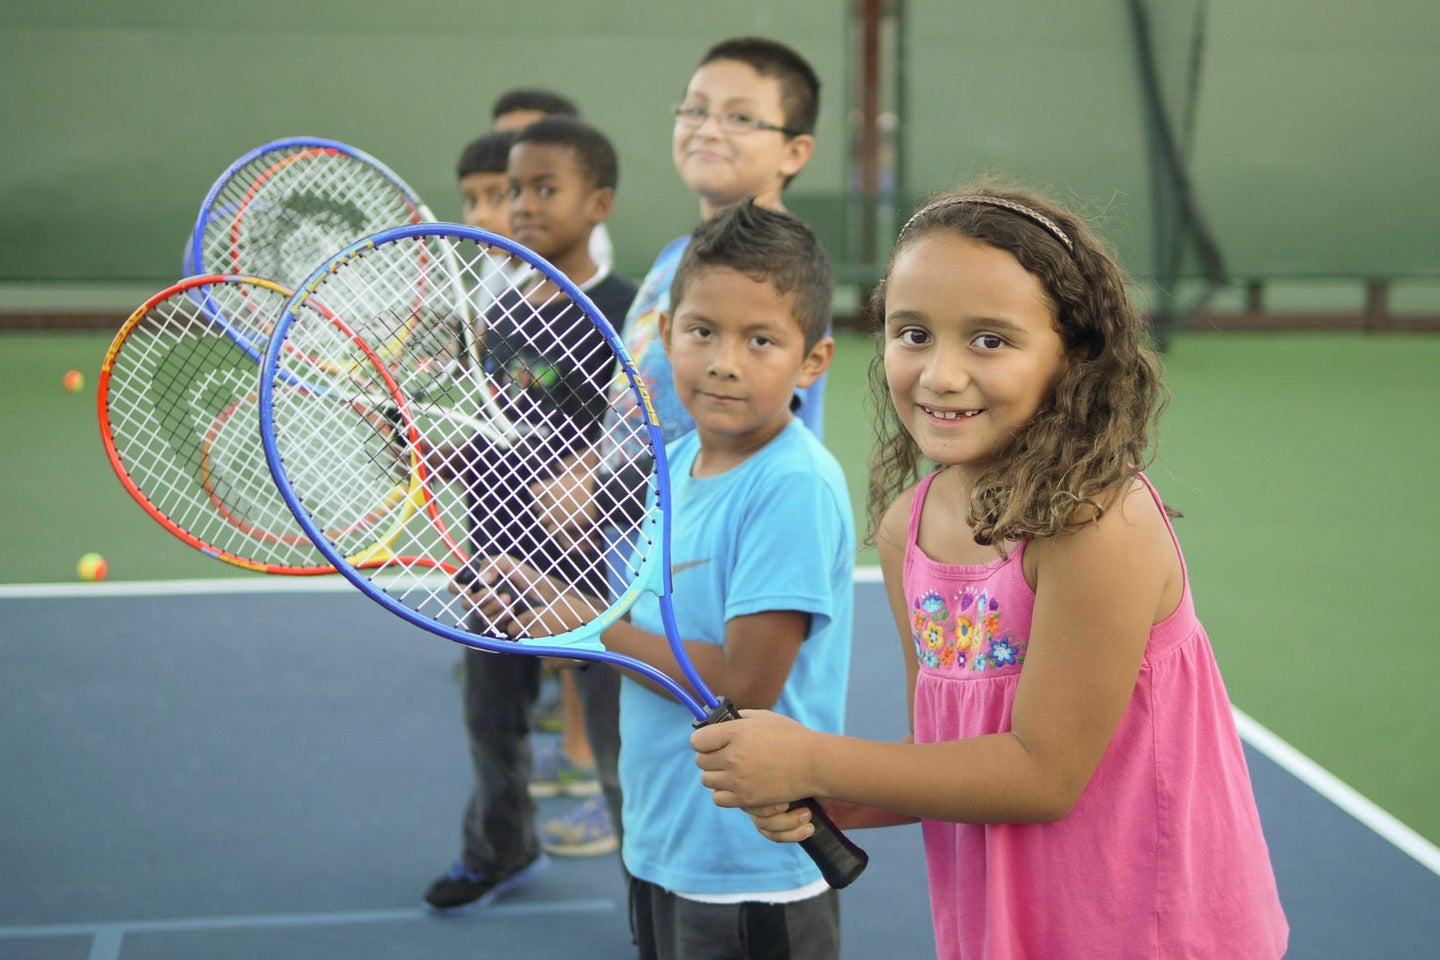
(840,860)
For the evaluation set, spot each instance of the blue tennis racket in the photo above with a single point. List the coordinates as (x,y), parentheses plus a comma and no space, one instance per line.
(549,356)
(284,208)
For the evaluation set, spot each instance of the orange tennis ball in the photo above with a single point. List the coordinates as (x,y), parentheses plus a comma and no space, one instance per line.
(92,567)
(74,381)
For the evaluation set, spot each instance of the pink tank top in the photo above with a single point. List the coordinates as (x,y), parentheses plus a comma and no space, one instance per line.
(1162,856)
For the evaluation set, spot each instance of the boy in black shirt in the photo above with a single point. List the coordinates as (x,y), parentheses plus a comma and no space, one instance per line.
(561,177)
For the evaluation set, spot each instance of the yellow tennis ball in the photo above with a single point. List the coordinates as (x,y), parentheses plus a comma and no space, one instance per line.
(92,566)
(74,381)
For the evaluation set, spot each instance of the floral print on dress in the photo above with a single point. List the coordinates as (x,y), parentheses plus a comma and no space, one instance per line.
(964,632)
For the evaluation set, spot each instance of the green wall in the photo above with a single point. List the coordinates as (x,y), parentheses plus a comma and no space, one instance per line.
(1042,94)
(1313,142)
(118,116)
(1318,136)
(1315,139)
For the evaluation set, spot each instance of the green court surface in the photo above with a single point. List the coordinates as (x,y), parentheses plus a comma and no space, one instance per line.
(1304,464)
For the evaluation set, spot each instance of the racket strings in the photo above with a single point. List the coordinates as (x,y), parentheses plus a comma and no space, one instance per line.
(287,210)
(197,400)
(180,423)
(342,454)
(413,314)
(236,484)
(474,487)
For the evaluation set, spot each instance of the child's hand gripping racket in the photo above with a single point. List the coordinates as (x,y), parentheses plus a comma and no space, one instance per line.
(551,355)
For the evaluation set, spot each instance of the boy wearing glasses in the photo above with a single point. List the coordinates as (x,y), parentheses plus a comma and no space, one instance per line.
(743,128)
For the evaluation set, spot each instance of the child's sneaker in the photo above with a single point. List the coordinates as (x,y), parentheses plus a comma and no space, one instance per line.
(554,774)
(463,887)
(585,831)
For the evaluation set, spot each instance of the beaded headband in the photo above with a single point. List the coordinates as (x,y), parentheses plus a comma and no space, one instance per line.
(1034,216)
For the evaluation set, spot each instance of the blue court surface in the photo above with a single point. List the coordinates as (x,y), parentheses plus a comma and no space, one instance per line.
(267,768)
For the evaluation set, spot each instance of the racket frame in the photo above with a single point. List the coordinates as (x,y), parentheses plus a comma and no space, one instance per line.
(112,453)
(582,642)
(194,259)
(839,859)
(372,556)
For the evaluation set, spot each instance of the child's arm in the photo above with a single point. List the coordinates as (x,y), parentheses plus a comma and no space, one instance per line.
(750,667)
(780,822)
(1098,592)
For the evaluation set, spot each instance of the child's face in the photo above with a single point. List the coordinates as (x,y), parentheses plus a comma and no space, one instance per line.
(485,202)
(726,168)
(553,204)
(971,347)
(738,354)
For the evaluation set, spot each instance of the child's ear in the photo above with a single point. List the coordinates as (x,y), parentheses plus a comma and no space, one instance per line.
(798,151)
(665,331)
(817,361)
(602,204)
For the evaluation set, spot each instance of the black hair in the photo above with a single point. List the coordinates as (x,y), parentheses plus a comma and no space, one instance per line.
(487,154)
(592,149)
(799,86)
(532,98)
(765,245)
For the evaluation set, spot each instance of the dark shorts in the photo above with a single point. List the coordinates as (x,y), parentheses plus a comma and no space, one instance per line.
(667,927)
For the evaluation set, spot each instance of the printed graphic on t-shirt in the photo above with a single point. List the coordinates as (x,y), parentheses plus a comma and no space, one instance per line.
(964,633)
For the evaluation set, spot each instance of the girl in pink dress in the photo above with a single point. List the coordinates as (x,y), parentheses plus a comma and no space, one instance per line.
(1074,762)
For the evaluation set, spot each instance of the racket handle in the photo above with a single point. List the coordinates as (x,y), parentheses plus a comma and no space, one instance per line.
(840,860)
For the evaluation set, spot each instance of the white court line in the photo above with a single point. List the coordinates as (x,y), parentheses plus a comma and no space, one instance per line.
(259,583)
(108,936)
(1338,792)
(330,583)
(1287,757)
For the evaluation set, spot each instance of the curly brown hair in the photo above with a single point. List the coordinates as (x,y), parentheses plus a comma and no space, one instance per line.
(1062,468)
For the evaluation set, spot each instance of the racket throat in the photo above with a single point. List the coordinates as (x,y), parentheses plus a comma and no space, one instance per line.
(722,711)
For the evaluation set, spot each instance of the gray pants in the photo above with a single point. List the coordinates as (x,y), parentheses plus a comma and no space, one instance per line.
(498,693)
(667,927)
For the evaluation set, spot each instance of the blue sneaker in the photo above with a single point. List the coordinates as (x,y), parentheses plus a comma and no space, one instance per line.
(554,774)
(464,887)
(585,831)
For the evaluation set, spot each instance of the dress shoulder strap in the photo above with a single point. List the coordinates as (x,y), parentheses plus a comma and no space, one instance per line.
(917,506)
(1165,515)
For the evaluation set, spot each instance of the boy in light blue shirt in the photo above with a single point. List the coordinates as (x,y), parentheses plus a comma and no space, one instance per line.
(762,550)
(762,554)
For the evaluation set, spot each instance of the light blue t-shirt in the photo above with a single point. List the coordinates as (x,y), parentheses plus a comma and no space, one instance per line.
(774,533)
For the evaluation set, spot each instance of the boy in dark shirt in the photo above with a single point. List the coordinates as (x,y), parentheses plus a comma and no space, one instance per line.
(561,178)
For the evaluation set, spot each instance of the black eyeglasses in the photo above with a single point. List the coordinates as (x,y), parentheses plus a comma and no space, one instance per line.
(695,117)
